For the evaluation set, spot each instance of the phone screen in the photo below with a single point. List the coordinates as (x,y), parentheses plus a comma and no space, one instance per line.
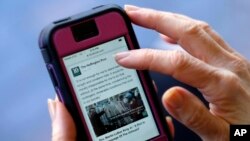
(111,98)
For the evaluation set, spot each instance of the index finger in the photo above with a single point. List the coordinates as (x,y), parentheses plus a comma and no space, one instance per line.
(177,64)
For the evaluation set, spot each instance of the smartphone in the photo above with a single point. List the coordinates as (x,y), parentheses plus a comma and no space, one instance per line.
(107,102)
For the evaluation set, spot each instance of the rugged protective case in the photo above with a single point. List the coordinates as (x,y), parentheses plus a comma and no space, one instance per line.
(52,62)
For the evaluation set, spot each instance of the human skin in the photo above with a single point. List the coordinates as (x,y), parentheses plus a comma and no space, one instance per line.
(207,62)
(63,127)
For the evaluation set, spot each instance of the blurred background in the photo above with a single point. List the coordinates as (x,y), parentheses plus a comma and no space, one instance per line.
(25,85)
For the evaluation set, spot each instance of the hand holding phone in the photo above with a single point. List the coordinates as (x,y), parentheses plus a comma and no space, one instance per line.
(106,101)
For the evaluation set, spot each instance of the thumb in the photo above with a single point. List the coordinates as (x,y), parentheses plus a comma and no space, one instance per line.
(190,111)
(63,128)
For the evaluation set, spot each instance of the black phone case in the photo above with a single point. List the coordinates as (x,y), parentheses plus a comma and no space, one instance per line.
(58,79)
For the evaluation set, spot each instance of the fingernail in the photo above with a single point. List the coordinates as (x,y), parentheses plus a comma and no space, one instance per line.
(52,108)
(121,55)
(131,7)
(56,98)
(174,99)
(168,118)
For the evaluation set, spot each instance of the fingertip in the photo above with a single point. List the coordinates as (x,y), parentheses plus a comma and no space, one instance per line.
(172,98)
(51,108)
(63,126)
(128,7)
(121,55)
(133,12)
(49,100)
(168,119)
(192,113)
(56,98)
(170,125)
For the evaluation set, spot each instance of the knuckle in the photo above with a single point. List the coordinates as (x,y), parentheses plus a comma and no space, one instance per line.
(214,79)
(195,120)
(175,15)
(224,83)
(196,28)
(192,29)
(204,25)
(149,59)
(240,67)
(179,60)
(230,80)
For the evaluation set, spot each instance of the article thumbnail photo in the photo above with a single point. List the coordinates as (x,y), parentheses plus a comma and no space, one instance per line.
(116,111)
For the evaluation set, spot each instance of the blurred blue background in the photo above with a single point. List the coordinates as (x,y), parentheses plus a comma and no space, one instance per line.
(25,85)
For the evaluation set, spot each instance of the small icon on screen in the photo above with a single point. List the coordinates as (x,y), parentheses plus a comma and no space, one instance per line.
(76,71)
(120,40)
